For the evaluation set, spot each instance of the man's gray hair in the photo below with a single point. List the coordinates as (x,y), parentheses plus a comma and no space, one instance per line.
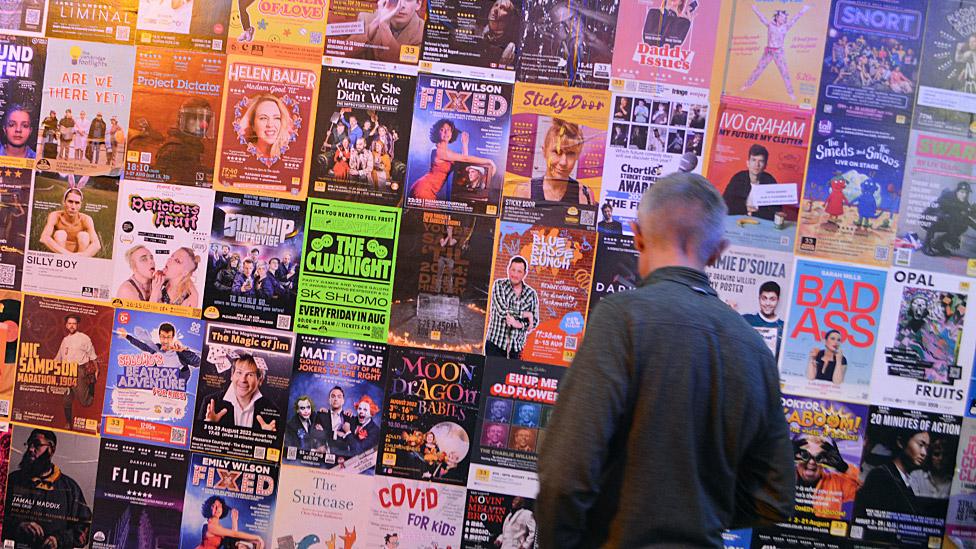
(686,209)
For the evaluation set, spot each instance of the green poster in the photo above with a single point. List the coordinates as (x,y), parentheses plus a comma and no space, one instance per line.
(346,280)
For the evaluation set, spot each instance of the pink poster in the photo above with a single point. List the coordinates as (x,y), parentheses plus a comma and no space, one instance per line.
(673,43)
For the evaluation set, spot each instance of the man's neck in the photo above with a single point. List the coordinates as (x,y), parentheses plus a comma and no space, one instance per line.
(768,318)
(245,403)
(336,411)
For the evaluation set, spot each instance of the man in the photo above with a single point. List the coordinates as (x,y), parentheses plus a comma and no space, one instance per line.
(222,258)
(767,318)
(66,129)
(738,194)
(242,404)
(518,527)
(96,137)
(76,348)
(299,432)
(668,351)
(609,225)
(365,433)
(391,26)
(528,415)
(446,253)
(391,541)
(825,491)
(334,422)
(945,221)
(46,508)
(514,312)
(494,436)
(523,440)
(68,231)
(174,353)
(887,486)
(499,411)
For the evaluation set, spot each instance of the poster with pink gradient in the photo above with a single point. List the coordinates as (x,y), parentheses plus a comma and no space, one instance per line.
(673,41)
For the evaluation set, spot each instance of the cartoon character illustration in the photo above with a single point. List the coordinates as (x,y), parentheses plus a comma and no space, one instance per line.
(890,198)
(867,204)
(834,205)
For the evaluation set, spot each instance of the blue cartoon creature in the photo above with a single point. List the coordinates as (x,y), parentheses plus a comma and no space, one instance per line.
(867,204)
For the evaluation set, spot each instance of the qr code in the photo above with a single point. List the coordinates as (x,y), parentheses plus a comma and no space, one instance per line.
(378,332)
(317,37)
(881,253)
(587,217)
(857,532)
(284,322)
(4,407)
(903,257)
(177,435)
(122,33)
(7,275)
(259,452)
(217,44)
(292,453)
(32,17)
(571,342)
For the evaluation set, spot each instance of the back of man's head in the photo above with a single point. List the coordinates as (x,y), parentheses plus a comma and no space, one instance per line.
(684,211)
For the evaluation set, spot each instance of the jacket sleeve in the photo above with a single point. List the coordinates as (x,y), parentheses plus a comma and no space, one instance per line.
(766,480)
(592,398)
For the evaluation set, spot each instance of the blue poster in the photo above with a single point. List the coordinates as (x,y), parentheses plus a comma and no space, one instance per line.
(872,58)
(852,193)
(458,145)
(153,371)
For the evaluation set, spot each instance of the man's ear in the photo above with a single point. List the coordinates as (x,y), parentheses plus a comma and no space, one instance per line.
(723,245)
(639,243)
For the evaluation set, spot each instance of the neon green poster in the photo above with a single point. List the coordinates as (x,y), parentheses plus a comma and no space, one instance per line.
(346,281)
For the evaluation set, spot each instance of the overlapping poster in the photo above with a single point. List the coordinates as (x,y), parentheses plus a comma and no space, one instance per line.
(757,163)
(540,284)
(385,36)
(243,390)
(24,17)
(62,363)
(651,135)
(111,21)
(163,235)
(153,372)
(832,331)
(50,490)
(498,520)
(138,495)
(774,51)
(10,305)
(906,476)
(432,402)
(871,61)
(255,255)
(458,145)
(756,283)
(517,401)
(947,79)
(558,144)
(321,507)
(346,279)
(85,105)
(335,404)
(4,463)
(960,524)
(937,212)
(669,41)
(290,29)
(22,60)
(472,39)
(71,239)
(176,101)
(567,43)
(828,440)
(412,514)
(228,500)
(923,362)
(616,269)
(264,138)
(440,290)
(15,188)
(853,191)
(184,24)
(361,142)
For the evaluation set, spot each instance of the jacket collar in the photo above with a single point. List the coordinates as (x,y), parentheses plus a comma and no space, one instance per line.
(686,276)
